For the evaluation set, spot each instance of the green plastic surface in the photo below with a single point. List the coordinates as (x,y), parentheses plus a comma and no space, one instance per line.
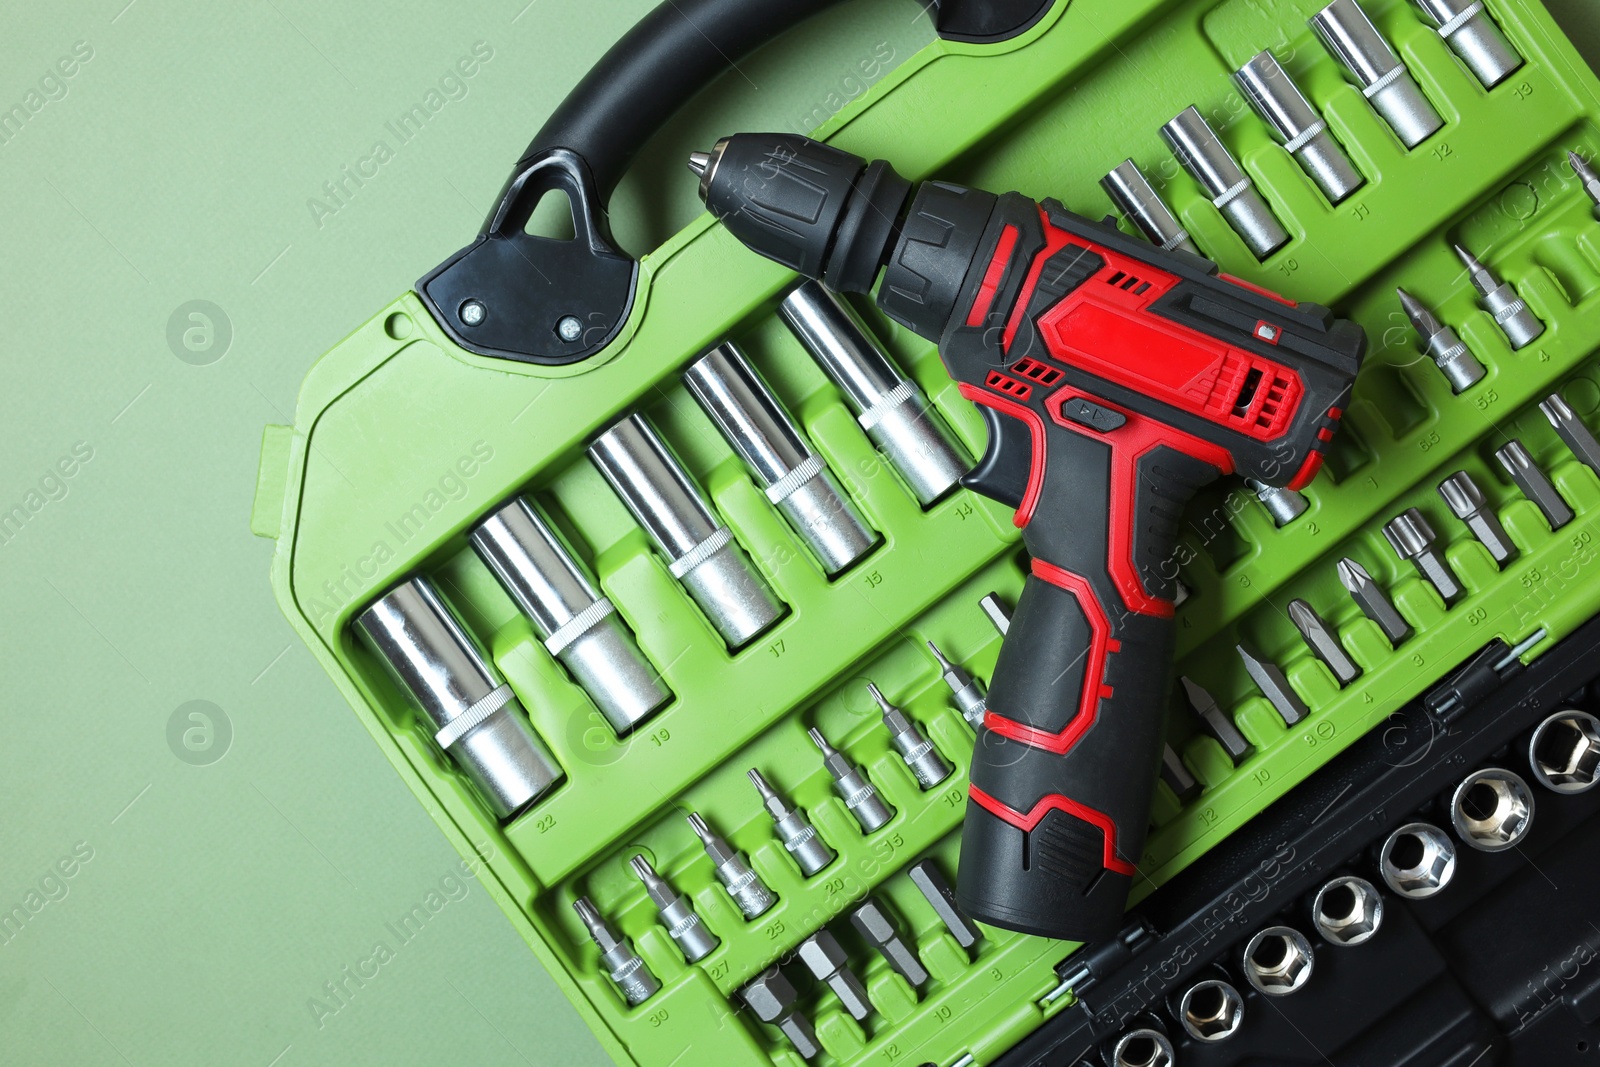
(401,442)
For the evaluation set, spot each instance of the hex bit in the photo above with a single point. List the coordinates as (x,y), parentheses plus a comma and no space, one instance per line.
(1284,505)
(878,925)
(798,836)
(744,885)
(1373,601)
(626,969)
(1466,501)
(772,998)
(1586,176)
(969,694)
(1412,540)
(1269,678)
(870,810)
(924,761)
(993,607)
(677,914)
(1572,431)
(1442,344)
(1217,722)
(1511,313)
(1323,642)
(1177,776)
(930,881)
(823,954)
(1534,483)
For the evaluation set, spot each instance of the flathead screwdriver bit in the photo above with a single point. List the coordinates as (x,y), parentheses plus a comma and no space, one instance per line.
(1572,431)
(1270,679)
(1534,483)
(798,836)
(877,924)
(1412,539)
(677,914)
(1177,776)
(1511,313)
(870,810)
(823,954)
(744,885)
(918,752)
(1586,175)
(626,969)
(1373,601)
(772,998)
(1442,344)
(1323,642)
(1284,505)
(1217,722)
(1467,503)
(969,694)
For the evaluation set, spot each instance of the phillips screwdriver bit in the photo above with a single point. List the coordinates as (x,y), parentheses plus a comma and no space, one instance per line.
(1573,433)
(918,752)
(798,836)
(870,810)
(1323,642)
(772,998)
(1511,313)
(1177,776)
(930,881)
(1373,601)
(677,914)
(999,617)
(627,970)
(878,925)
(970,696)
(1412,540)
(1217,722)
(1586,175)
(1533,482)
(1466,501)
(1284,505)
(1269,678)
(1442,344)
(733,871)
(825,956)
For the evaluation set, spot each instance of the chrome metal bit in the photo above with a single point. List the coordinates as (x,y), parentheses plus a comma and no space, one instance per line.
(924,761)
(1442,344)
(677,914)
(1373,601)
(877,924)
(1466,501)
(1534,483)
(1269,678)
(1284,505)
(1511,313)
(772,998)
(1323,642)
(1177,776)
(1572,431)
(823,954)
(1586,176)
(744,885)
(927,877)
(1412,540)
(1217,722)
(870,810)
(999,615)
(798,836)
(969,694)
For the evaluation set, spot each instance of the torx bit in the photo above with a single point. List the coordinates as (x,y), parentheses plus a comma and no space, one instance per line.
(1572,431)
(877,924)
(1412,539)
(930,881)
(1373,601)
(1466,502)
(970,696)
(1284,505)
(918,752)
(1177,776)
(870,810)
(734,871)
(677,914)
(1136,198)
(1269,678)
(1459,366)
(772,998)
(825,956)
(627,970)
(1533,482)
(798,836)
(1511,313)
(1586,175)
(1217,722)
(999,615)
(1323,642)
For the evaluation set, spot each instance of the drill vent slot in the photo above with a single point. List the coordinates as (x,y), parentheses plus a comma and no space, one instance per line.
(1008,385)
(1129,283)
(1042,373)
(1247,393)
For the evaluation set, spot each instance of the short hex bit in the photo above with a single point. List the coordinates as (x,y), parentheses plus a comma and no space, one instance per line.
(1572,431)
(969,694)
(1511,313)
(798,836)
(1413,540)
(1467,503)
(930,881)
(1323,642)
(877,924)
(772,998)
(1177,776)
(677,914)
(825,956)
(744,885)
(924,761)
(1373,601)
(1284,505)
(1269,678)
(870,810)
(1217,722)
(995,609)
(1534,483)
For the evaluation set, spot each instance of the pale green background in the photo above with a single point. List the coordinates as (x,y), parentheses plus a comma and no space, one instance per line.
(220,898)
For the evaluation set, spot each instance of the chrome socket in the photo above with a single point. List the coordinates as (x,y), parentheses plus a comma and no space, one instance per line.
(743,884)
(871,811)
(700,552)
(1492,809)
(1284,505)
(1442,344)
(1417,860)
(796,480)
(1208,161)
(1511,313)
(889,407)
(1277,961)
(578,626)
(1136,198)
(1352,39)
(1298,127)
(1144,1046)
(1347,911)
(677,914)
(476,718)
(1473,36)
(924,761)
(799,837)
(1211,1010)
(1565,752)
(630,974)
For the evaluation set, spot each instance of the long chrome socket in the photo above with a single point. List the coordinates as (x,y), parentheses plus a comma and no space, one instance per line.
(1355,42)
(1136,198)
(579,627)
(796,480)
(1473,36)
(476,718)
(1298,127)
(1209,162)
(701,553)
(888,405)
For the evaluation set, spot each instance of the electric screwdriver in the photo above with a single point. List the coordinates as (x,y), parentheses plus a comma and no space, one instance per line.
(1114,379)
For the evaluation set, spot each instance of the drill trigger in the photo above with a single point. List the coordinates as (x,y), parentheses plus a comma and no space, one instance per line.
(1004,472)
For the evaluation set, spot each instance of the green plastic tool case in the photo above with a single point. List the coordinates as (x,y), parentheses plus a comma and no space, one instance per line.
(403,441)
